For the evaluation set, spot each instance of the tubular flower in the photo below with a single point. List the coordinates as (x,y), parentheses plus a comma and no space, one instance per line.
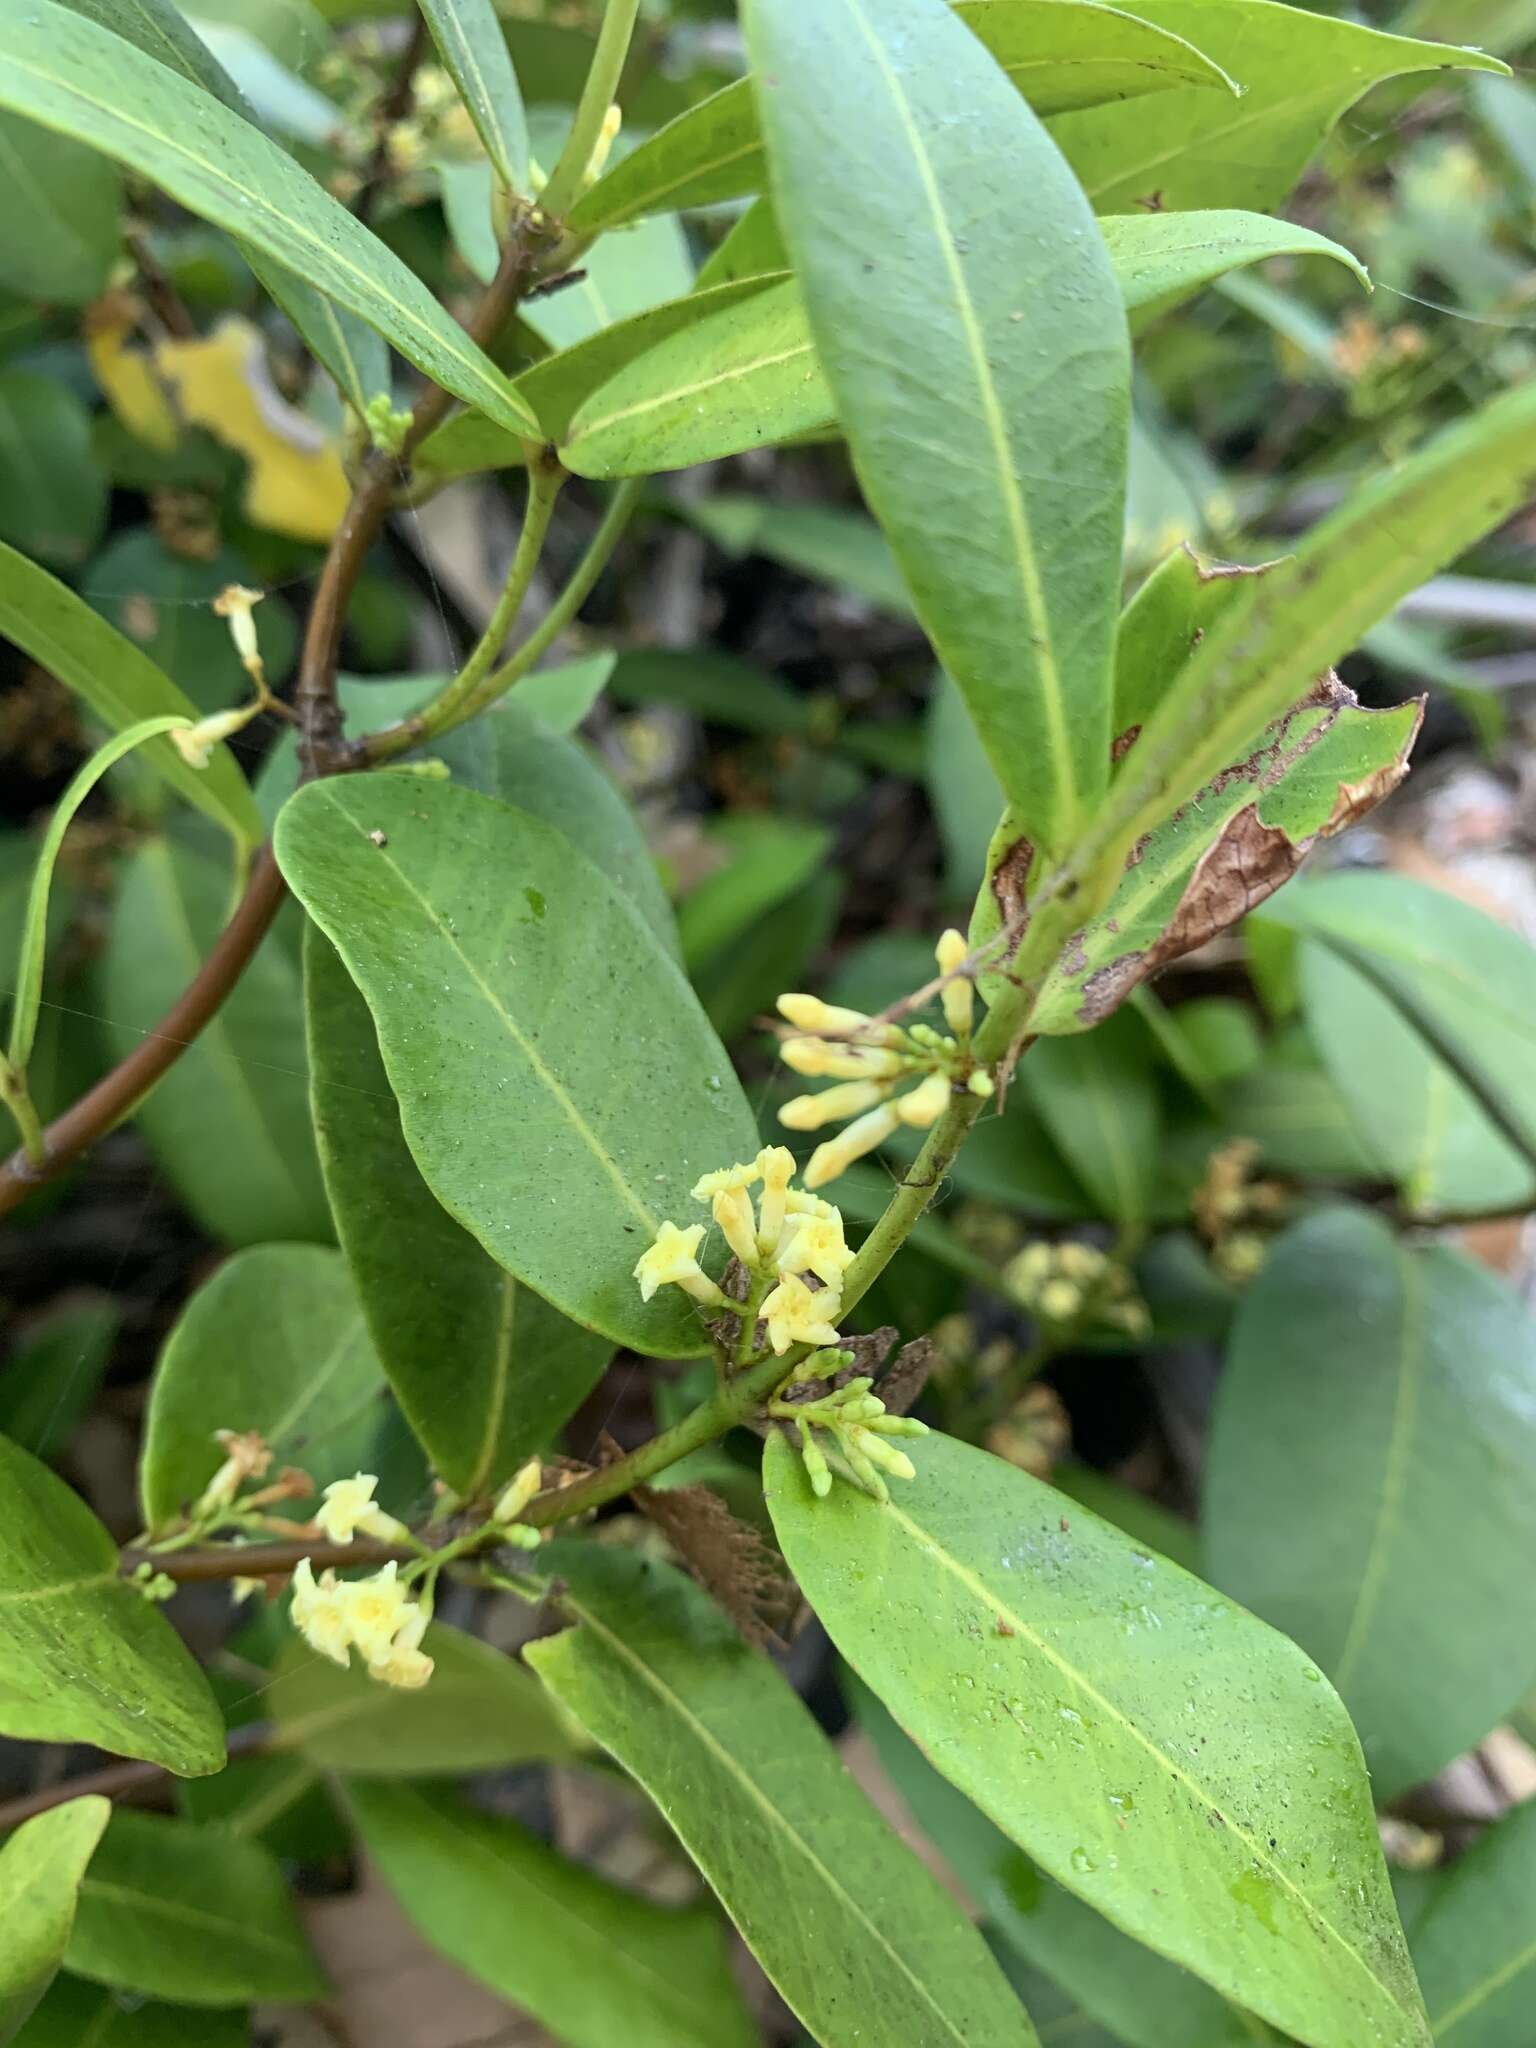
(672,1261)
(776,1164)
(403,1663)
(796,1315)
(815,1245)
(349,1506)
(870,1057)
(318,1614)
(375,1616)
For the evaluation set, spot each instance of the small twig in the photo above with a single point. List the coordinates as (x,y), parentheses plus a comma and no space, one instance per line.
(163,297)
(394,107)
(262,1560)
(122,1781)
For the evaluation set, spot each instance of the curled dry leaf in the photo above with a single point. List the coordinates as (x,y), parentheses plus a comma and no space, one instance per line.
(728,1558)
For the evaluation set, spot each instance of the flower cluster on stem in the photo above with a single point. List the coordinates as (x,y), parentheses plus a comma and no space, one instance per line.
(854,1417)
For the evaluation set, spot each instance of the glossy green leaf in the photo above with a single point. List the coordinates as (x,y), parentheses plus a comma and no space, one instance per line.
(1058,54)
(471,44)
(230,1122)
(510,1111)
(75,77)
(1096,1095)
(54,1370)
(1465,984)
(1475,1947)
(80,2015)
(762,1805)
(484,1370)
(1417,1123)
(989,438)
(592,1963)
(1369,1511)
(41,1866)
(53,495)
(480,1711)
(559,698)
(745,978)
(1146,1520)
(827,542)
(622,277)
(1314,771)
(1080,1690)
(273,1342)
(83,1657)
(61,234)
(1297,1117)
(121,685)
(1160,258)
(196,1914)
(1187,148)
(762,859)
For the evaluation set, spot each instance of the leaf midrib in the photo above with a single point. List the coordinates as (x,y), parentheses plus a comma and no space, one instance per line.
(583,429)
(156,1903)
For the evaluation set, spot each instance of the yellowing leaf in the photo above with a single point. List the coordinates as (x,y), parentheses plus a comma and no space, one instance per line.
(126,375)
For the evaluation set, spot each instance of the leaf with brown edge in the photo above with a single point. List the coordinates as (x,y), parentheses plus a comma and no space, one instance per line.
(1218,856)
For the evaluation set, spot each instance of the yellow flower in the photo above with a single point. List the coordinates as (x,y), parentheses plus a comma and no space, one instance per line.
(798,1203)
(827,1020)
(732,1210)
(847,1098)
(863,1135)
(776,1164)
(797,1315)
(819,1058)
(518,1491)
(672,1261)
(726,1179)
(349,1506)
(195,743)
(374,1609)
(926,1103)
(235,603)
(319,1615)
(246,1456)
(402,1663)
(958,995)
(816,1246)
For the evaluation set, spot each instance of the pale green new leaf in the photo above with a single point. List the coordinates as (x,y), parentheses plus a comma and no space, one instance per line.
(594,1964)
(196,1914)
(858,1938)
(472,44)
(1475,1947)
(41,1866)
(1119,1720)
(504,1017)
(989,436)
(1299,72)
(119,682)
(83,1656)
(485,1371)
(72,76)
(1406,1509)
(273,1342)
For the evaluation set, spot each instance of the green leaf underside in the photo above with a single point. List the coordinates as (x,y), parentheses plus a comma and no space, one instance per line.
(196,1914)
(1161,258)
(80,2015)
(120,684)
(41,1866)
(859,1940)
(1221,852)
(473,47)
(1405,1511)
(505,1079)
(481,1711)
(1051,1668)
(1475,1947)
(593,1963)
(273,1342)
(79,79)
(1057,54)
(83,1657)
(990,438)
(484,1369)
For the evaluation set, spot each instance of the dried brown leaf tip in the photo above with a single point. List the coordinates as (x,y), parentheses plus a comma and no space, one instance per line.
(730,1560)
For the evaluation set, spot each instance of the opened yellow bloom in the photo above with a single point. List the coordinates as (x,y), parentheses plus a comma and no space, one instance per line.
(815,1245)
(403,1663)
(863,1135)
(349,1506)
(796,1314)
(319,1615)
(726,1179)
(958,995)
(374,1609)
(672,1261)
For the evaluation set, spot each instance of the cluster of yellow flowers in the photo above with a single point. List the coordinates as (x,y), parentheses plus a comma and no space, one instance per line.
(794,1236)
(1071,1282)
(869,1059)
(375,1616)
(856,1420)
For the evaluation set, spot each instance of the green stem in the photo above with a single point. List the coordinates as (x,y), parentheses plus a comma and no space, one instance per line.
(597,96)
(18,1100)
(434,720)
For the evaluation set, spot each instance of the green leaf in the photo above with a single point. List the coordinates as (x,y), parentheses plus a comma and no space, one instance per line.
(1078,1689)
(1348,1507)
(273,1342)
(121,685)
(713,686)
(1475,1947)
(41,1866)
(764,860)
(1151,1525)
(827,542)
(510,1108)
(472,45)
(230,1122)
(1096,1096)
(1298,1119)
(593,1964)
(480,1712)
(1207,863)
(53,495)
(745,978)
(83,1656)
(1160,258)
(990,438)
(1058,54)
(79,2015)
(762,1805)
(54,1371)
(1187,148)
(622,277)
(63,228)
(559,698)
(72,76)
(484,1370)
(196,1914)
(1465,984)
(1418,1125)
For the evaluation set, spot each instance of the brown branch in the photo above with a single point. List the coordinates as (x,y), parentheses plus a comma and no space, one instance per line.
(395,106)
(262,1560)
(122,1781)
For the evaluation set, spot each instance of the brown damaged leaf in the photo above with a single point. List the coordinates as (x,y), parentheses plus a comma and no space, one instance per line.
(729,1559)
(1322,766)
